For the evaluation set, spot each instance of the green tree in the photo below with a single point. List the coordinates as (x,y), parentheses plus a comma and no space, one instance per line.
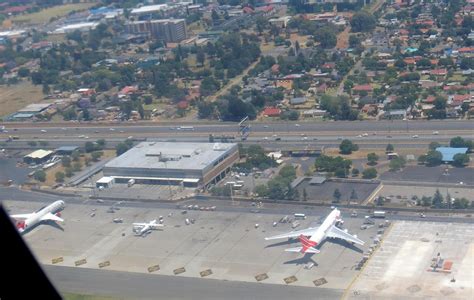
(200,57)
(397,164)
(460,203)
(66,161)
(262,190)
(347,147)
(389,148)
(372,159)
(362,21)
(433,158)
(460,160)
(434,145)
(305,195)
(40,175)
(69,172)
(76,155)
(326,37)
(438,200)
(336,195)
(354,195)
(96,155)
(101,144)
(77,166)
(59,176)
(355,172)
(121,148)
(89,147)
(288,172)
(369,173)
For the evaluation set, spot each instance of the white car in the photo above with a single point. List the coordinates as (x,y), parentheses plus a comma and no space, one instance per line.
(297,125)
(435,132)
(365,134)
(415,136)
(111,129)
(42,130)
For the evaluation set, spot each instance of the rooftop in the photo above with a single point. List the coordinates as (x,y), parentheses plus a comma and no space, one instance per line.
(449,152)
(39,154)
(171,155)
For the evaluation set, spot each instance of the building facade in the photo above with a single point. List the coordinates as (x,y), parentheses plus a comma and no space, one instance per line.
(168,30)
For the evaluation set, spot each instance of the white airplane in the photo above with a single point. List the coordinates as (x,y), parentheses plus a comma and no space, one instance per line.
(327,230)
(141,229)
(50,212)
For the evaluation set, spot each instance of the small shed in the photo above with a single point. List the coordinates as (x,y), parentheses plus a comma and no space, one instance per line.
(66,150)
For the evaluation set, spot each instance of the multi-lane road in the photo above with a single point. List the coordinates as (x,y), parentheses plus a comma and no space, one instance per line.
(410,134)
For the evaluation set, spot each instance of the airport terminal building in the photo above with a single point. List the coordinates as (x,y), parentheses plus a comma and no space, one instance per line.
(186,164)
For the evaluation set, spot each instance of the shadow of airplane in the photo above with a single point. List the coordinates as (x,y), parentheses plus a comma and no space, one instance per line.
(305,259)
(53,224)
(342,243)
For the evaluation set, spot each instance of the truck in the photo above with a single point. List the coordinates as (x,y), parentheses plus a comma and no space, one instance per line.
(378,214)
(131,182)
(300,216)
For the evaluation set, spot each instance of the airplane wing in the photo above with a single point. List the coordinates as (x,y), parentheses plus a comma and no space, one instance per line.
(50,216)
(335,232)
(21,216)
(298,249)
(307,232)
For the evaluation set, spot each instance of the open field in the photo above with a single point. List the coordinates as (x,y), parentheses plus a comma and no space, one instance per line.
(45,15)
(15,97)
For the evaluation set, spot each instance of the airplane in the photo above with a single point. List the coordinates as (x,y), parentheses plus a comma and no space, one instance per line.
(50,212)
(328,229)
(141,229)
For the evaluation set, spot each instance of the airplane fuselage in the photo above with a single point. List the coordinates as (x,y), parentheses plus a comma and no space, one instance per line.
(321,232)
(37,216)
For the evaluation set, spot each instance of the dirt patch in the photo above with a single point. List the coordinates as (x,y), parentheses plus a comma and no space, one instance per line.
(45,15)
(17,96)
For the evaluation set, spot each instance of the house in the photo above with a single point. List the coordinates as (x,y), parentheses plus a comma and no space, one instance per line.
(298,100)
(439,72)
(86,92)
(313,113)
(397,114)
(363,88)
(271,112)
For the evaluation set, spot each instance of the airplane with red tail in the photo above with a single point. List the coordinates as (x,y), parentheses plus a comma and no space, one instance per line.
(50,212)
(328,229)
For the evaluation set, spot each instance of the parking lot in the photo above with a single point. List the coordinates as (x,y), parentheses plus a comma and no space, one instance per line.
(432,174)
(402,267)
(219,245)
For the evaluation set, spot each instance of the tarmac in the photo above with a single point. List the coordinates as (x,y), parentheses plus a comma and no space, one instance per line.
(219,245)
(401,267)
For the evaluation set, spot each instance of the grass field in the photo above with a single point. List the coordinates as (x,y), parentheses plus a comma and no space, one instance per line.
(17,96)
(70,296)
(45,15)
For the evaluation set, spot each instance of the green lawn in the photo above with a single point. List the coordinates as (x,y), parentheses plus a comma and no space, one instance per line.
(70,296)
(45,15)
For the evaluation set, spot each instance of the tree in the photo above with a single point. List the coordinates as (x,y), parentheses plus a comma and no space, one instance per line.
(459,142)
(96,155)
(389,148)
(59,176)
(372,159)
(101,144)
(23,72)
(346,147)
(362,22)
(434,145)
(369,173)
(397,164)
(76,155)
(89,147)
(77,166)
(40,175)
(355,172)
(305,195)
(460,203)
(288,172)
(460,160)
(66,161)
(326,37)
(336,195)
(433,158)
(32,143)
(69,172)
(438,200)
(200,57)
(262,190)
